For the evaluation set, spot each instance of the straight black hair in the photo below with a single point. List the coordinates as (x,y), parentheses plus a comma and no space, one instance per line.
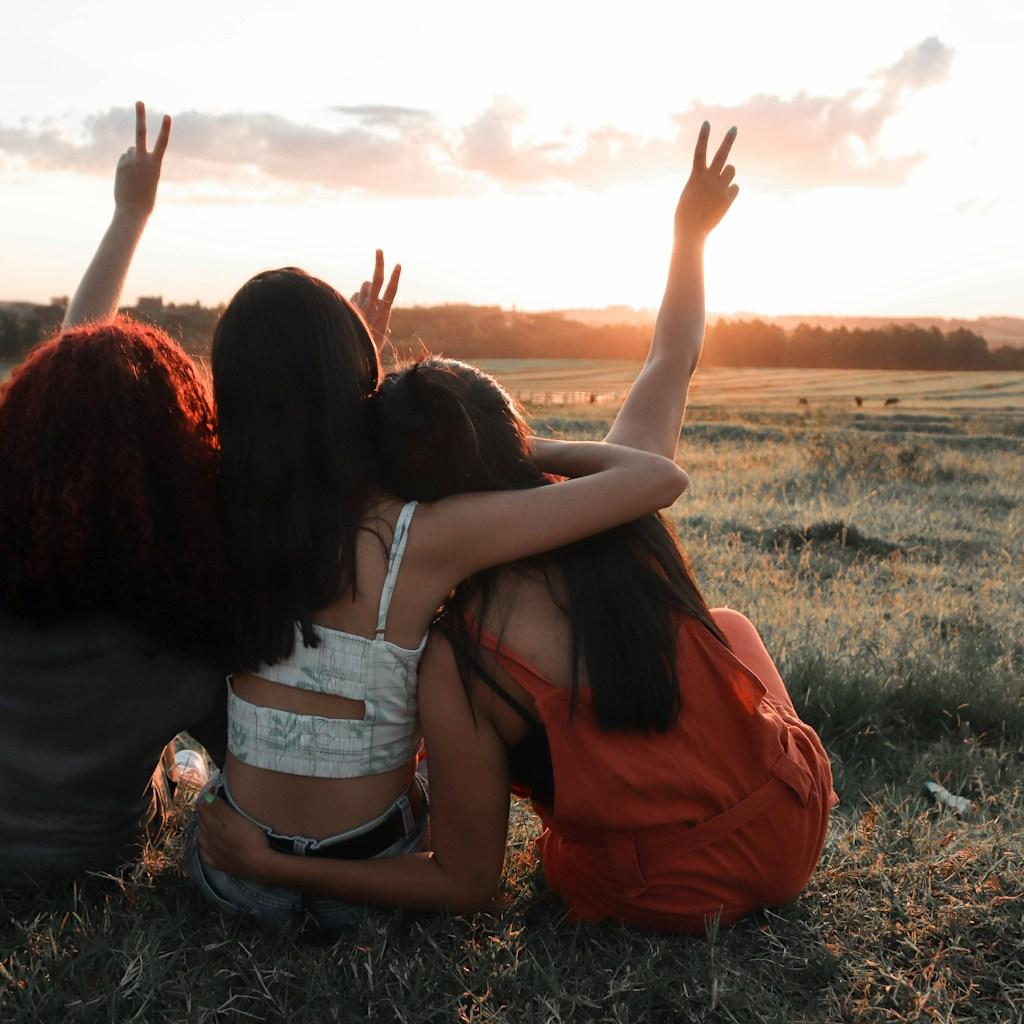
(441,427)
(293,365)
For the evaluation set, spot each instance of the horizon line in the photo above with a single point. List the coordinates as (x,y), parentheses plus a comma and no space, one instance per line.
(645,311)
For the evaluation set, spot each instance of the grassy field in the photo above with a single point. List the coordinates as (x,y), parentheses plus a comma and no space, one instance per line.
(573,381)
(882,555)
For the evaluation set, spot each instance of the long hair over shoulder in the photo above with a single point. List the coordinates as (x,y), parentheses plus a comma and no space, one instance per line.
(293,365)
(443,427)
(108,468)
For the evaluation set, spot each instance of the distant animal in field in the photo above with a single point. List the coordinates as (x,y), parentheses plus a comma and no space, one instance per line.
(891,401)
(858,400)
(803,401)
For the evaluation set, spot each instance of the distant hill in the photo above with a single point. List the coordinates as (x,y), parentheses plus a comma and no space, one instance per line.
(619,332)
(997,330)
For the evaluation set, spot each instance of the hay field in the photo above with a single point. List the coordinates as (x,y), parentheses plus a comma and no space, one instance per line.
(569,381)
(882,556)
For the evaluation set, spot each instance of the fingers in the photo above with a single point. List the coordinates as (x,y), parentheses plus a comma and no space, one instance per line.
(392,289)
(378,273)
(732,192)
(162,138)
(728,173)
(723,151)
(700,153)
(364,295)
(140,126)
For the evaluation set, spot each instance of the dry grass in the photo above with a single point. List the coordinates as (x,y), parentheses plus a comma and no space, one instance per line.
(549,381)
(883,560)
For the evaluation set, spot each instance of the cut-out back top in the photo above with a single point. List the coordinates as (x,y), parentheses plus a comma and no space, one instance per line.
(380,674)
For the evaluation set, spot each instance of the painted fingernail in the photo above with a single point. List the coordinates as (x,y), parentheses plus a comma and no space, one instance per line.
(208,798)
(705,126)
(732,130)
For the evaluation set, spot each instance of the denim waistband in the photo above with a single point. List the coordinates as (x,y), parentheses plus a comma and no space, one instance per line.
(302,844)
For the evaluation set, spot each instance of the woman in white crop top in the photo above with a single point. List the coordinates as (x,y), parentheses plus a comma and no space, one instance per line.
(337,581)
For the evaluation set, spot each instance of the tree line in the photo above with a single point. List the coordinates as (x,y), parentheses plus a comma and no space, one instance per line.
(490,332)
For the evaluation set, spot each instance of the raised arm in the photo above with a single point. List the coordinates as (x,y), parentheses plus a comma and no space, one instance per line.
(468,818)
(611,485)
(135,181)
(652,415)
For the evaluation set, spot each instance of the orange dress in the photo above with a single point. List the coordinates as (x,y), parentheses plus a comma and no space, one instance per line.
(723,814)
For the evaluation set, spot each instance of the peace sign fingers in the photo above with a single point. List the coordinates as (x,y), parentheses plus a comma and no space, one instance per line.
(700,153)
(163,137)
(378,275)
(723,151)
(392,289)
(138,171)
(140,126)
(376,308)
(709,192)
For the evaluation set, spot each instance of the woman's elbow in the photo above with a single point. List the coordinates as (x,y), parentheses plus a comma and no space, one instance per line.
(476,895)
(675,482)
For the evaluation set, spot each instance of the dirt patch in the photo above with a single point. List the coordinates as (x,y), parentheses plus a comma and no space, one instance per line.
(836,535)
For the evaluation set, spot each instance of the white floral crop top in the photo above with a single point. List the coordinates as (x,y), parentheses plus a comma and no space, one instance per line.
(374,671)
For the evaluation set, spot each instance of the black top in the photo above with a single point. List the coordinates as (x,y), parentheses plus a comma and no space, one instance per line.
(86,708)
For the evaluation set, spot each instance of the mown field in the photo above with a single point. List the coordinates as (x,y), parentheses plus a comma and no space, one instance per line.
(881,552)
(577,381)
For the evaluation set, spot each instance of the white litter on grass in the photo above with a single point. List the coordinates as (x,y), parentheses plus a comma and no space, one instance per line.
(191,768)
(942,796)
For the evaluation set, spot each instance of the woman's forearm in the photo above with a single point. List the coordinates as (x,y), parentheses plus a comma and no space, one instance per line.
(679,329)
(652,415)
(99,293)
(414,881)
(587,458)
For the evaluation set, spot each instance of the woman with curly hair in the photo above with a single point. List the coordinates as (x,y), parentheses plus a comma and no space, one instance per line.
(112,573)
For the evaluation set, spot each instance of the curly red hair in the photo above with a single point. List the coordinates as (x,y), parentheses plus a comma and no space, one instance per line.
(108,468)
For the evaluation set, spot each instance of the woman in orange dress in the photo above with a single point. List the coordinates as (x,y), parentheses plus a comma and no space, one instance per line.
(659,746)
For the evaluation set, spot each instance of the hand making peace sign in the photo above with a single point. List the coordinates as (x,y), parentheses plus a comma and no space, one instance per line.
(376,308)
(138,171)
(709,192)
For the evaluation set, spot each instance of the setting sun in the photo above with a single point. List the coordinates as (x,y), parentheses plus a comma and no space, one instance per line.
(536,168)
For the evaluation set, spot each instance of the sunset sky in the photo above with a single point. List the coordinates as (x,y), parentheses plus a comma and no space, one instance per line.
(528,154)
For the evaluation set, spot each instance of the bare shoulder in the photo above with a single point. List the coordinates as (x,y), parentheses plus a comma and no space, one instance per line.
(529,613)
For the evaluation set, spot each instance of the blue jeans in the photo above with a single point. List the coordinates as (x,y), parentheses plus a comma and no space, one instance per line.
(277,906)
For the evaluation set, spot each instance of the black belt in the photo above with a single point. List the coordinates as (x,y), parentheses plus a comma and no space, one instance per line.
(360,847)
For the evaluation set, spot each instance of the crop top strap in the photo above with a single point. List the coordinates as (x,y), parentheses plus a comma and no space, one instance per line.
(398,542)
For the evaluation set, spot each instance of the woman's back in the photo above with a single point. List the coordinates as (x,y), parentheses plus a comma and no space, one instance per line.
(111,566)
(640,822)
(345,745)
(87,706)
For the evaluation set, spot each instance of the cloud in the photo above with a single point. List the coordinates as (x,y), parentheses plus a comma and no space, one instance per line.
(798,142)
(811,141)
(385,151)
(803,141)
(377,114)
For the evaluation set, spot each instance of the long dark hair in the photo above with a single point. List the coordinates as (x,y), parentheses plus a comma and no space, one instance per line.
(293,364)
(442,427)
(108,469)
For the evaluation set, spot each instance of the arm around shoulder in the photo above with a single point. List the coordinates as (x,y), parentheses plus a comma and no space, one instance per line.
(609,485)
